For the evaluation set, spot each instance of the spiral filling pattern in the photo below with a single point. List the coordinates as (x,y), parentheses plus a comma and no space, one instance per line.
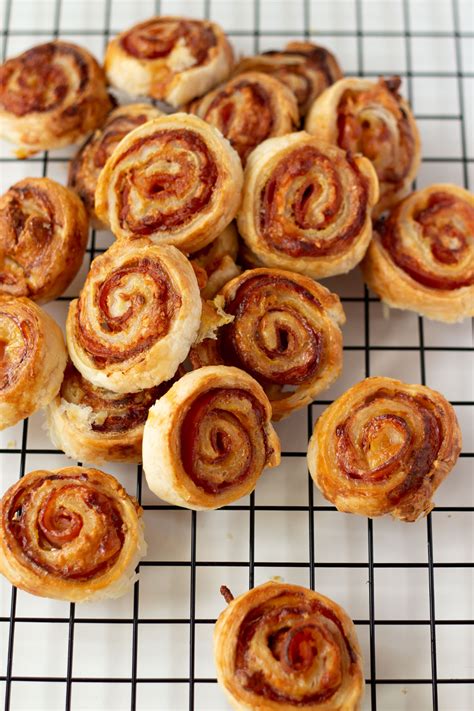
(158,37)
(18,341)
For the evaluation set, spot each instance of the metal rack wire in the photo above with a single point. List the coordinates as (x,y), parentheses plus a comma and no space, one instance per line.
(313,565)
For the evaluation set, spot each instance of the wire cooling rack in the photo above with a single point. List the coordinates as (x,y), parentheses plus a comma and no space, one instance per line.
(408,586)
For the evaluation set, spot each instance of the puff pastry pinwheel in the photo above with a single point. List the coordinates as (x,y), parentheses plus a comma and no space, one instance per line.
(305,68)
(248,109)
(43,237)
(51,96)
(281,647)
(307,205)
(85,167)
(218,260)
(170,58)
(174,180)
(422,255)
(384,447)
(70,534)
(208,439)
(285,333)
(32,359)
(136,317)
(371,118)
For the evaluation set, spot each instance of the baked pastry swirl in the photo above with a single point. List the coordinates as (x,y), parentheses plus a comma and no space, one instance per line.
(70,534)
(85,167)
(307,205)
(248,109)
(280,647)
(170,58)
(218,260)
(422,255)
(136,317)
(285,333)
(371,118)
(208,439)
(175,180)
(51,96)
(43,237)
(384,447)
(305,68)
(32,359)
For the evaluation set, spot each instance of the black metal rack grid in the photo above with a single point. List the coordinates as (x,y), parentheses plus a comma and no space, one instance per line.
(312,565)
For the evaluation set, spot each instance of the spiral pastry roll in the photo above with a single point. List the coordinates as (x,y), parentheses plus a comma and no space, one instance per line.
(173,59)
(208,439)
(422,254)
(248,109)
(43,237)
(174,180)
(305,68)
(361,116)
(136,317)
(85,167)
(32,359)
(51,96)
(70,534)
(384,447)
(306,206)
(218,260)
(280,647)
(285,333)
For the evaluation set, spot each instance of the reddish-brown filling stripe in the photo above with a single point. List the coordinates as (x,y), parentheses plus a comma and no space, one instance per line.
(447,225)
(281,225)
(39,81)
(158,37)
(414,454)
(57,526)
(10,367)
(293,646)
(166,302)
(197,173)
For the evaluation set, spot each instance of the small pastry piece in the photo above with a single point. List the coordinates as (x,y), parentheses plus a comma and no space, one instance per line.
(136,317)
(280,647)
(248,109)
(218,260)
(175,180)
(51,96)
(173,59)
(305,68)
(371,118)
(95,425)
(384,447)
(43,237)
(70,534)
(422,255)
(85,167)
(208,439)
(285,333)
(306,205)
(32,359)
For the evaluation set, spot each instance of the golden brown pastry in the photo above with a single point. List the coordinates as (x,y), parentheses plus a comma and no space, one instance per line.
(305,68)
(218,261)
(208,439)
(95,425)
(306,206)
(175,180)
(170,58)
(70,534)
(372,118)
(285,333)
(281,647)
(248,109)
(51,96)
(136,317)
(85,167)
(32,359)
(422,255)
(43,237)
(384,447)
